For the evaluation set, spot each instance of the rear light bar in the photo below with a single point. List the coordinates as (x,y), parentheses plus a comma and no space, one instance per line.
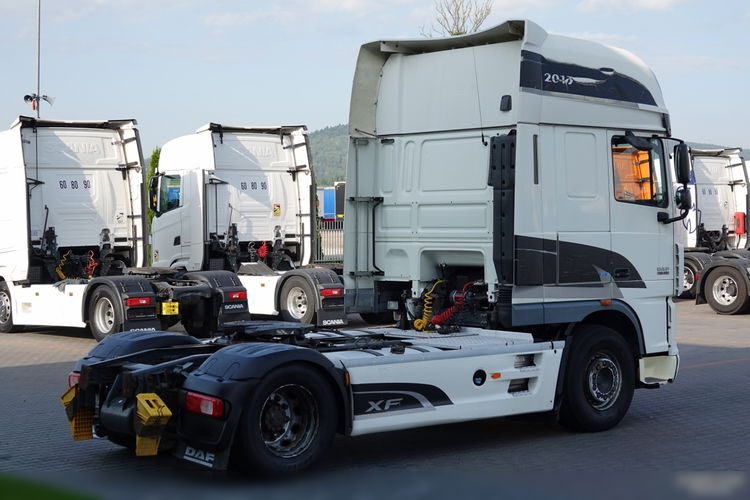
(73,378)
(237,295)
(332,292)
(138,301)
(204,405)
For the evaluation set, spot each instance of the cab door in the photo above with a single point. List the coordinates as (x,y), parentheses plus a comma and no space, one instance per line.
(643,249)
(166,227)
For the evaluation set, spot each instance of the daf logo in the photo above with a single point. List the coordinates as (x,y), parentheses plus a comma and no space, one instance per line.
(383,404)
(199,456)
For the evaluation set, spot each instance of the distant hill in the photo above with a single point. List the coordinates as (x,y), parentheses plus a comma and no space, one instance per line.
(329,148)
(330,145)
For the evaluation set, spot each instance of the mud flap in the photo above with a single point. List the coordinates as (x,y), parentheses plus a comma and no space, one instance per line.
(215,460)
(331,317)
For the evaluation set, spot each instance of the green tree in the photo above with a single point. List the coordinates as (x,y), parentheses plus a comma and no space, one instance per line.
(153,166)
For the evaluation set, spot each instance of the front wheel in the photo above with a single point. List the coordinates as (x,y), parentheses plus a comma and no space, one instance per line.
(6,311)
(726,291)
(288,423)
(297,301)
(599,380)
(105,317)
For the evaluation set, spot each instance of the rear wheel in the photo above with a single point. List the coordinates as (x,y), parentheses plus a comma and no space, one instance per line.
(689,281)
(726,291)
(599,380)
(105,317)
(6,311)
(297,301)
(288,423)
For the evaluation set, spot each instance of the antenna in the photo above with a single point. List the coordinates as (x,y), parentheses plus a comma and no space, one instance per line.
(33,99)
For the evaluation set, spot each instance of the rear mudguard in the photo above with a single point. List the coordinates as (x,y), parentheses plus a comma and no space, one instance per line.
(329,311)
(735,259)
(222,283)
(125,287)
(231,374)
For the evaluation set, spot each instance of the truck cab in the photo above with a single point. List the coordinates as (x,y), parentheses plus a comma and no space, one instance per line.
(514,179)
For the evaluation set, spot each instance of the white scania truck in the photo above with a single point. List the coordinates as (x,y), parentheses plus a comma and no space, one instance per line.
(243,199)
(715,231)
(716,221)
(71,241)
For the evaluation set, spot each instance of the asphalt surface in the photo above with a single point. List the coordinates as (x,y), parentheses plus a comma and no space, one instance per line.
(687,439)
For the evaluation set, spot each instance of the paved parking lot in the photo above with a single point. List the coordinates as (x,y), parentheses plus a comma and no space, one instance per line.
(680,432)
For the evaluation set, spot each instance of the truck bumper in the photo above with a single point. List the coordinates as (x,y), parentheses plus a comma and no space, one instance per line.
(658,370)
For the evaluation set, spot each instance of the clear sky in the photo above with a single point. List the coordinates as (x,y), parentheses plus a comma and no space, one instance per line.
(175,65)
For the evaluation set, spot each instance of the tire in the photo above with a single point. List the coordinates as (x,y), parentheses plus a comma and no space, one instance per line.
(288,423)
(6,311)
(378,318)
(105,317)
(688,280)
(599,380)
(726,291)
(297,301)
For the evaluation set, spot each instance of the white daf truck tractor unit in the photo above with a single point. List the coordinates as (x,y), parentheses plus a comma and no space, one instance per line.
(243,199)
(72,236)
(509,197)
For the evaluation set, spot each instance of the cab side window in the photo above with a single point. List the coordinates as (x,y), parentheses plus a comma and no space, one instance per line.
(639,175)
(169,193)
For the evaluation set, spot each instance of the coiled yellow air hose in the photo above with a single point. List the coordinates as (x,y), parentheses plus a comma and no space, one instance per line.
(421,323)
(58,269)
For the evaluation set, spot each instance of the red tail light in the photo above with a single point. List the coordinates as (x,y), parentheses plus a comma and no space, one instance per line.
(204,405)
(237,295)
(138,301)
(73,378)
(332,292)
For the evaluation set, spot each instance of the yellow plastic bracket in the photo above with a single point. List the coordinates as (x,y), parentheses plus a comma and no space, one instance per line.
(152,415)
(170,308)
(80,420)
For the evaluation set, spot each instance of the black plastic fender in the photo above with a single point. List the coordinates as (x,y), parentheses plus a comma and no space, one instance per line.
(231,374)
(125,287)
(223,283)
(735,259)
(329,311)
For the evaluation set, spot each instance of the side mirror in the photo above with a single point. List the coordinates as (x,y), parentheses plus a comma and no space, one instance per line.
(682,163)
(682,198)
(153,193)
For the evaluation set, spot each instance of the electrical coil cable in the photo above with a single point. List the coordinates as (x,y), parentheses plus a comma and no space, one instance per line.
(92,265)
(421,323)
(59,268)
(444,316)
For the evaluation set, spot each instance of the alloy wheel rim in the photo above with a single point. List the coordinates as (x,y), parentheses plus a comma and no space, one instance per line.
(297,302)
(289,421)
(725,290)
(4,307)
(104,315)
(603,381)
